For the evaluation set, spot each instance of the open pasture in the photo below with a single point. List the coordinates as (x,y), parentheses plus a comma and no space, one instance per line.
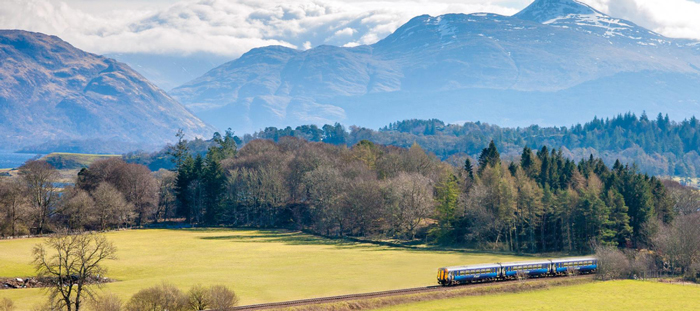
(612,295)
(260,265)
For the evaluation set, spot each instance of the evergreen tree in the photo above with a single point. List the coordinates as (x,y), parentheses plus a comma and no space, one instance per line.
(489,157)
(468,167)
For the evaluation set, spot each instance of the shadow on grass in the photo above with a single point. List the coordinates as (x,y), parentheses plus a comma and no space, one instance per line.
(247,235)
(286,237)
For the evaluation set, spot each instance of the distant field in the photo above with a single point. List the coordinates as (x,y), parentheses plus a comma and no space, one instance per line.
(692,182)
(262,266)
(614,295)
(73,160)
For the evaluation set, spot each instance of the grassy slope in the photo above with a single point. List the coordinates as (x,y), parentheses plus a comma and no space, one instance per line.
(615,295)
(82,158)
(262,266)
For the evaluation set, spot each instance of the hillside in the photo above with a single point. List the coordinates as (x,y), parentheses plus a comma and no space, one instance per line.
(557,62)
(50,90)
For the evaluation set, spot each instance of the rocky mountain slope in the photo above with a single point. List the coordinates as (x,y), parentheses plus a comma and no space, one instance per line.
(49,90)
(555,63)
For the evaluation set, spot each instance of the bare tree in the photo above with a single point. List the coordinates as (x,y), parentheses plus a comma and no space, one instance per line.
(612,263)
(134,181)
(111,209)
(76,209)
(13,207)
(71,261)
(39,178)
(414,202)
(166,194)
(679,243)
(140,189)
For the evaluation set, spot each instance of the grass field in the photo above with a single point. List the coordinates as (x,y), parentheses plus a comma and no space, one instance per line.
(613,296)
(262,266)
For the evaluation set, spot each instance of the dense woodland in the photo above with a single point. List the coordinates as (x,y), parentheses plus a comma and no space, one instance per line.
(541,202)
(659,147)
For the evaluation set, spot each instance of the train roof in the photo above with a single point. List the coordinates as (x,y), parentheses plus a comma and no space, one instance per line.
(483,266)
(573,259)
(534,262)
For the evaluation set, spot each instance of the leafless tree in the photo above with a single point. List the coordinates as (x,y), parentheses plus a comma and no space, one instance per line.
(39,178)
(413,195)
(76,209)
(134,181)
(686,199)
(13,207)
(166,194)
(71,261)
(679,243)
(111,209)
(612,263)
(140,189)
(325,186)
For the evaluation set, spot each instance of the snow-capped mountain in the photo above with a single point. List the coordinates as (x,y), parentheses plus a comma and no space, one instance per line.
(555,62)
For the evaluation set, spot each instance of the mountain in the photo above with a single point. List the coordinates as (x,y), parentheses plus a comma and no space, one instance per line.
(170,71)
(50,90)
(557,62)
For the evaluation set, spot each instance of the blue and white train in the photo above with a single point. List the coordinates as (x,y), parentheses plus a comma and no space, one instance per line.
(504,271)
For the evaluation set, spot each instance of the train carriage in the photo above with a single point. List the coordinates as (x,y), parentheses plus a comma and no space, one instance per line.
(468,274)
(526,269)
(574,265)
(530,269)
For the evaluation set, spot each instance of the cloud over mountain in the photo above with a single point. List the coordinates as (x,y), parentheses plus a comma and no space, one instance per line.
(226,27)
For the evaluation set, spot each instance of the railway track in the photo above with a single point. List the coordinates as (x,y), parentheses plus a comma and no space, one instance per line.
(388,293)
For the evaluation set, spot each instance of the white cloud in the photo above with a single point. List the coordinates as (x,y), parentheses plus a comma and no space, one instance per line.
(671,18)
(232,27)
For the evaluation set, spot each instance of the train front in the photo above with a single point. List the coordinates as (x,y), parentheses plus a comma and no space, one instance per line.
(443,276)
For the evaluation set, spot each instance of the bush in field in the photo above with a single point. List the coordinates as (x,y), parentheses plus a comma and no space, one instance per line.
(6,305)
(166,297)
(108,302)
(163,297)
(217,297)
(612,263)
(222,298)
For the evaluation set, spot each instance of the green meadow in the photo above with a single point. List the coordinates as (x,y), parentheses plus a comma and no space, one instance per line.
(611,296)
(261,266)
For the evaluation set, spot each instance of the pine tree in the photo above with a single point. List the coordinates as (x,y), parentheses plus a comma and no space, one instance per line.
(468,167)
(489,157)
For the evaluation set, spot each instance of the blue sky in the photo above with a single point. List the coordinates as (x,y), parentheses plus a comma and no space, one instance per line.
(232,27)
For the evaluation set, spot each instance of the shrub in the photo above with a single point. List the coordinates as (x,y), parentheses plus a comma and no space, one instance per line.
(108,302)
(612,263)
(217,297)
(163,297)
(222,298)
(6,304)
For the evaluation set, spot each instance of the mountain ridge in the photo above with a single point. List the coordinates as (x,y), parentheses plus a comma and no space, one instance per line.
(50,90)
(464,59)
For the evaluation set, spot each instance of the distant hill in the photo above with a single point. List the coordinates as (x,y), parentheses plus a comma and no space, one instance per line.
(50,90)
(557,62)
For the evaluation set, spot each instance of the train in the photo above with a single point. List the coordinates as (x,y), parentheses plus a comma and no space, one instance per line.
(516,270)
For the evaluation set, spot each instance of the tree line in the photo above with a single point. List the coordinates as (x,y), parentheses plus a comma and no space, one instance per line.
(658,146)
(541,201)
